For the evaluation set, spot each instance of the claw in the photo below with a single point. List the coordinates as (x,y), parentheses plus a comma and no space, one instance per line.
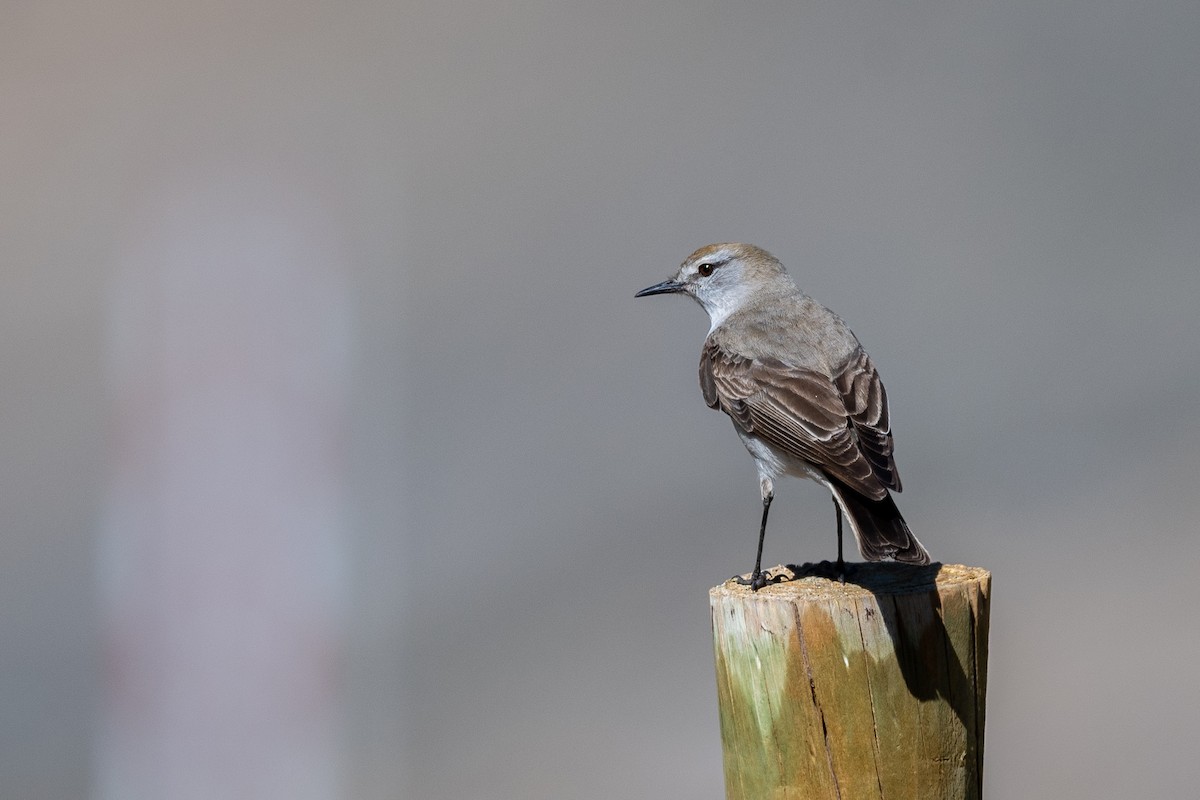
(757,580)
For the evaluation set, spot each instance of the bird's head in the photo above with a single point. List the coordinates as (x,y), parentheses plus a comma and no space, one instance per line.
(724,277)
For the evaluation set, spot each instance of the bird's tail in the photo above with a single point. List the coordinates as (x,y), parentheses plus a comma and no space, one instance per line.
(882,533)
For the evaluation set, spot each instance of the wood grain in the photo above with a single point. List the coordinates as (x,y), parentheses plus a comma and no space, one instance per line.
(873,688)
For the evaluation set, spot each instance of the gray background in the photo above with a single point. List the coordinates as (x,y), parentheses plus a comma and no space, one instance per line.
(1003,200)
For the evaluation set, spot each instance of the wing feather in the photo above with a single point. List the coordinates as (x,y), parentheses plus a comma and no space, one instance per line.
(838,424)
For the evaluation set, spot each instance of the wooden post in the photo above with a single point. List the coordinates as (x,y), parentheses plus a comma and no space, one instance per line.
(872,688)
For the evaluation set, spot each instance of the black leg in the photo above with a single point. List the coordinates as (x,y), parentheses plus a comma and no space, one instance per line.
(841,565)
(762,534)
(757,580)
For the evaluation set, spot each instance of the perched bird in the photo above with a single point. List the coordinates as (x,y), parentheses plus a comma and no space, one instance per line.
(802,393)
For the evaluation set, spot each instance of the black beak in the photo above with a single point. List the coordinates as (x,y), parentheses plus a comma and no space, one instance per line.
(666,287)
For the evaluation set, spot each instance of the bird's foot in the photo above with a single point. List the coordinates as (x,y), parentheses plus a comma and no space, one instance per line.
(758,579)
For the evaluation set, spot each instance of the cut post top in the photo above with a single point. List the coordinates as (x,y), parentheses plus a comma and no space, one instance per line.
(815,581)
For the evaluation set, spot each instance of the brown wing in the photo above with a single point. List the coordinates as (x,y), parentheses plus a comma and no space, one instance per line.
(867,408)
(840,425)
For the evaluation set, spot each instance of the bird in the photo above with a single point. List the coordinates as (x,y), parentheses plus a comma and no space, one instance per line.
(802,393)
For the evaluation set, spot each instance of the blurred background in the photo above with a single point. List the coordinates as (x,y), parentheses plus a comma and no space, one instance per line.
(339,461)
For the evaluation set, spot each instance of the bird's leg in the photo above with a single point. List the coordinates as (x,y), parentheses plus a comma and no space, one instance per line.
(841,565)
(762,534)
(757,580)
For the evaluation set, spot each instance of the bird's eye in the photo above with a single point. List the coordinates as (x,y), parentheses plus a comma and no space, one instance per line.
(705,269)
